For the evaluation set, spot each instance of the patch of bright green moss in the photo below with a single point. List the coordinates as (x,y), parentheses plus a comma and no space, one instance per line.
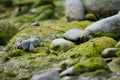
(7,31)
(91,48)
(90,65)
(114,34)
(14,53)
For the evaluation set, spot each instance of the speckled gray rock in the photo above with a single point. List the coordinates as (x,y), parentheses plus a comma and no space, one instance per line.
(35,41)
(73,35)
(61,45)
(102,8)
(74,10)
(53,75)
(26,44)
(106,27)
(109,52)
(31,47)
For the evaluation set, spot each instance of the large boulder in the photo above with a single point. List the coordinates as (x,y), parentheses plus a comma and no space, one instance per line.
(106,27)
(102,8)
(74,10)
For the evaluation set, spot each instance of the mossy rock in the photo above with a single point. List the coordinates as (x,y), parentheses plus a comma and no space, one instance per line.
(61,45)
(47,14)
(90,17)
(41,9)
(7,31)
(90,65)
(48,30)
(25,18)
(91,48)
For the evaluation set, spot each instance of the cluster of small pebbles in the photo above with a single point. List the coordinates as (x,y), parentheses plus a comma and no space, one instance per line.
(26,45)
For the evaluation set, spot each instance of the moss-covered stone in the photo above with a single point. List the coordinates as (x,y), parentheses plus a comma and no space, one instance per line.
(7,31)
(90,17)
(90,65)
(61,45)
(91,48)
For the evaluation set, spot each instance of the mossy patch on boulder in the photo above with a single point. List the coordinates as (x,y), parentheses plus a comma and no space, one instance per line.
(90,65)
(7,31)
(14,53)
(91,48)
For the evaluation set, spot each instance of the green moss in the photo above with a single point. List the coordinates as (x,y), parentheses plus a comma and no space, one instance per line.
(7,31)
(14,53)
(91,48)
(90,17)
(114,34)
(41,9)
(47,14)
(90,65)
(25,18)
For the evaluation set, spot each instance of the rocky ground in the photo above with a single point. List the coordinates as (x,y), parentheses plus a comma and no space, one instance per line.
(38,43)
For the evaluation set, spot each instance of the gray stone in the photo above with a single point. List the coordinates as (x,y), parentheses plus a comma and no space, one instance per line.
(35,41)
(31,47)
(74,10)
(61,45)
(67,72)
(73,35)
(26,44)
(109,52)
(102,8)
(35,24)
(52,75)
(110,25)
